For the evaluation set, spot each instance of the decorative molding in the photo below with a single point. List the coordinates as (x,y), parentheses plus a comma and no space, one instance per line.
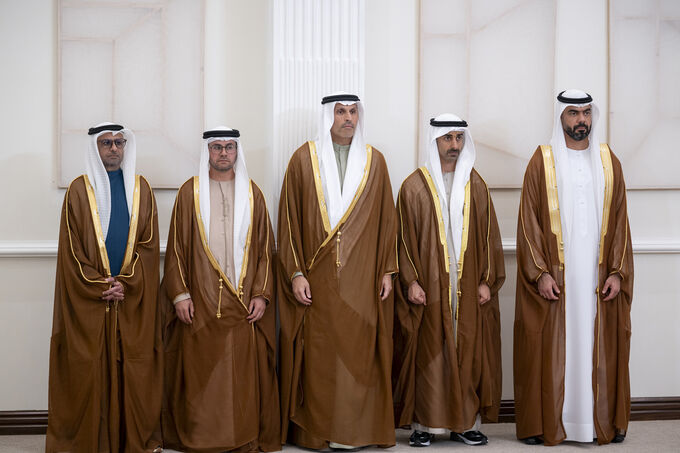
(641,409)
(40,249)
(48,249)
(28,249)
(639,247)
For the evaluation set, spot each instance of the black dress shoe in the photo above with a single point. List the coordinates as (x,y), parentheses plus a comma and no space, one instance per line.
(420,439)
(533,440)
(618,438)
(470,438)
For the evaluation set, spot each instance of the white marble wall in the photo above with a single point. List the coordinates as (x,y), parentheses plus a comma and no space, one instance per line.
(499,65)
(137,62)
(644,89)
(492,64)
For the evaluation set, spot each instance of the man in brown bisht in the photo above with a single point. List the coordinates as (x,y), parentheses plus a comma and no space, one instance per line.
(337,250)
(105,352)
(574,286)
(221,389)
(447,360)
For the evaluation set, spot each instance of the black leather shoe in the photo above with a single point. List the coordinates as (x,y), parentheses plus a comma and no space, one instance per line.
(618,438)
(533,440)
(420,439)
(470,438)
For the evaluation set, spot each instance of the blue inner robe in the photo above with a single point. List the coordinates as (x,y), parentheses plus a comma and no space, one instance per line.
(119,223)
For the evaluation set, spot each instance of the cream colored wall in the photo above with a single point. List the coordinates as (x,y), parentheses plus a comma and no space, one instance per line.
(30,199)
(238,94)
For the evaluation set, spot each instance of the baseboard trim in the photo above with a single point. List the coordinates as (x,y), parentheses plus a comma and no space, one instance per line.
(23,422)
(641,409)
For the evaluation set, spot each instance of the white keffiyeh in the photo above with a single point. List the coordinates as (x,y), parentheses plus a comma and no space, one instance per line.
(339,198)
(464,164)
(99,179)
(241,196)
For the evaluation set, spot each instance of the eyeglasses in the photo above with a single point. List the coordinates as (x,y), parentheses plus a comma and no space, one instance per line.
(107,143)
(217,148)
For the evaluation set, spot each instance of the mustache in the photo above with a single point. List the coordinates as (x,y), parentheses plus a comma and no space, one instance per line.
(450,150)
(578,135)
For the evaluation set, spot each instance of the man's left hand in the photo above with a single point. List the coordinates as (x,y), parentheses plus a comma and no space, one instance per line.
(257,306)
(386,287)
(484,293)
(612,286)
(116,292)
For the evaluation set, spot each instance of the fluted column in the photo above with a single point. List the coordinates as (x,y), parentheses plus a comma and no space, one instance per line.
(318,48)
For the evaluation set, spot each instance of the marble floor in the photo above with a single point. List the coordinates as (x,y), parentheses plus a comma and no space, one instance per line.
(656,436)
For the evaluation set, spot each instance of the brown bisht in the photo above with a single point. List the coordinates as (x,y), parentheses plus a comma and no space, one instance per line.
(336,354)
(221,390)
(105,357)
(539,336)
(442,381)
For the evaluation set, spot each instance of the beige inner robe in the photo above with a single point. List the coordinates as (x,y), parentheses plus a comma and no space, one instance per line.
(221,241)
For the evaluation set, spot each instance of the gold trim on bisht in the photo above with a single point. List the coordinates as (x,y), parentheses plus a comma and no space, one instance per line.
(132,233)
(153,209)
(319,187)
(440,221)
(290,236)
(553,200)
(442,235)
(174,242)
(606,157)
(204,241)
(67,208)
(463,244)
(403,241)
(322,202)
(101,241)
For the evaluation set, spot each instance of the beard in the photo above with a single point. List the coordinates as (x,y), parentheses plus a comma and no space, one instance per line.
(112,161)
(221,165)
(578,135)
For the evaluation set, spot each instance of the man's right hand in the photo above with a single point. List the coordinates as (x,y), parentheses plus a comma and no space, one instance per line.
(301,290)
(185,310)
(547,287)
(116,292)
(416,294)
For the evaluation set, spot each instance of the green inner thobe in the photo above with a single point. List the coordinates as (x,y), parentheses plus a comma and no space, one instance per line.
(341,153)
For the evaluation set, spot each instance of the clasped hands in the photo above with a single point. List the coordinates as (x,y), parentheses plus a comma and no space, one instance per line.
(115,293)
